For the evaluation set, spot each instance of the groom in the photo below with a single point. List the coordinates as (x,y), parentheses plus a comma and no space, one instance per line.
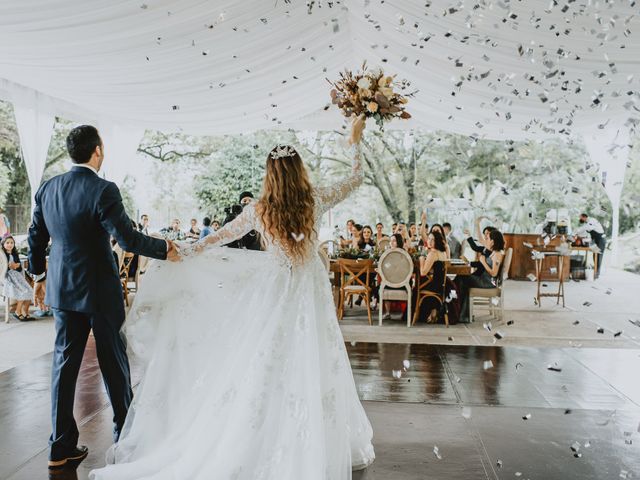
(79,211)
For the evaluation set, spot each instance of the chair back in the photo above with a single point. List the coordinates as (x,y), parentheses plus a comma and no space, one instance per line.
(329,247)
(120,254)
(127,258)
(506,265)
(4,266)
(384,243)
(324,257)
(395,267)
(352,270)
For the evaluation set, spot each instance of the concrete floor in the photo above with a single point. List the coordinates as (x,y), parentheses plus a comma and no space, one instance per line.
(445,399)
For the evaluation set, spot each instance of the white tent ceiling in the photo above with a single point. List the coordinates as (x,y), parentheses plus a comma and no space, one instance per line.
(497,69)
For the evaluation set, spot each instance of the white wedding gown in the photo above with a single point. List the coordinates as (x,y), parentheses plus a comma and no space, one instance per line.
(247,374)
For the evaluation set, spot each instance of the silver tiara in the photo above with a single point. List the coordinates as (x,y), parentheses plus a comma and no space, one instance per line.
(281,151)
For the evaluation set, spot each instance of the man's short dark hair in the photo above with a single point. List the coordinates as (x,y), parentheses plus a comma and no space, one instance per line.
(584,215)
(489,229)
(82,142)
(143,216)
(245,195)
(379,223)
(206,222)
(446,225)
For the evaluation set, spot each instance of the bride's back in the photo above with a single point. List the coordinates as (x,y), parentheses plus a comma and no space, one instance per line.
(286,211)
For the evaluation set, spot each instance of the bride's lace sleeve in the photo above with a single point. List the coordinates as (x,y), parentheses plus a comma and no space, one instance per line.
(328,197)
(234,230)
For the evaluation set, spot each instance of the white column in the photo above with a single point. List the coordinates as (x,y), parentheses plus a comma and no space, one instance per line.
(120,146)
(610,148)
(35,125)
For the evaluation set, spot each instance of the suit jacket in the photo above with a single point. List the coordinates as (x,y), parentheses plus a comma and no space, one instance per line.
(79,211)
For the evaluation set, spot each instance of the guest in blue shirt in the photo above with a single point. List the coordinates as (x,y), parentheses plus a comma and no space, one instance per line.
(206,230)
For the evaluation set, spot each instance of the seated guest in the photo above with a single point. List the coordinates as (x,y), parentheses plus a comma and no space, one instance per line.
(143,226)
(206,230)
(413,234)
(194,231)
(15,285)
(489,275)
(366,242)
(173,232)
(436,227)
(429,266)
(356,236)
(402,230)
(455,248)
(396,241)
(379,233)
(347,239)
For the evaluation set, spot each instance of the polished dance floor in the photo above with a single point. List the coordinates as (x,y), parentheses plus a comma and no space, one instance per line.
(438,411)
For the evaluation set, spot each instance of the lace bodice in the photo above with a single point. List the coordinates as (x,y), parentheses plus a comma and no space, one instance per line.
(324,197)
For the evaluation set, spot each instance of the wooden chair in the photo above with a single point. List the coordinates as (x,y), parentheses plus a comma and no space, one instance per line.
(352,273)
(4,266)
(383,244)
(483,297)
(395,268)
(329,247)
(325,258)
(436,291)
(127,258)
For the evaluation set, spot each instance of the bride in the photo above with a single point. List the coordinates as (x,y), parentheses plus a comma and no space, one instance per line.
(247,376)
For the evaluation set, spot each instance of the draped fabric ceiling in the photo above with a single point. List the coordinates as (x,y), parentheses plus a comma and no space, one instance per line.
(489,69)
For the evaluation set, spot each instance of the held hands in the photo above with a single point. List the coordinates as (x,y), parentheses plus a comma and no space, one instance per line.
(357,127)
(39,290)
(173,254)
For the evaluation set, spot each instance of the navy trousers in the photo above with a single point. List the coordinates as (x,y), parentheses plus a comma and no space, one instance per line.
(72,332)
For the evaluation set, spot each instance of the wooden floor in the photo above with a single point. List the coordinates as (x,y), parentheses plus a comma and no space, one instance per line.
(445,399)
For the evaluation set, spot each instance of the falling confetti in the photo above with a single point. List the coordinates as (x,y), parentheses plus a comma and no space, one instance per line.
(436,452)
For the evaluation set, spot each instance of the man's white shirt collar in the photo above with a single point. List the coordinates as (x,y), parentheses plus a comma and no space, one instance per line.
(84,165)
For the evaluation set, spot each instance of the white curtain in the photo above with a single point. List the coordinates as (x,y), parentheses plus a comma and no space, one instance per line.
(610,148)
(503,70)
(120,149)
(35,125)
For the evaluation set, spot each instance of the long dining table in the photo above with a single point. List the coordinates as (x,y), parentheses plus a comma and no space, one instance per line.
(454,267)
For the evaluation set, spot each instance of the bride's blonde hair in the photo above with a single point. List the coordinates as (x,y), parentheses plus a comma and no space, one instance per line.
(287,207)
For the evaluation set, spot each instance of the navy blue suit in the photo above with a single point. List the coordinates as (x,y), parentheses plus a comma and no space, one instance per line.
(79,212)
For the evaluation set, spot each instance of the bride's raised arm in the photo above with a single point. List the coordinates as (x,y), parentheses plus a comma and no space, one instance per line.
(328,197)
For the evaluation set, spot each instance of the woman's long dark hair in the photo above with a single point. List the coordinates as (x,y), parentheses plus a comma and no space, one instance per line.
(498,240)
(399,240)
(438,241)
(14,252)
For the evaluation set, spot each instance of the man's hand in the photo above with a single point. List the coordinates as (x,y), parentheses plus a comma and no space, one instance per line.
(173,254)
(39,290)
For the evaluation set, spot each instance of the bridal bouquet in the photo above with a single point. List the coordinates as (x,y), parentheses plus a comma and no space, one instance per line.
(370,93)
